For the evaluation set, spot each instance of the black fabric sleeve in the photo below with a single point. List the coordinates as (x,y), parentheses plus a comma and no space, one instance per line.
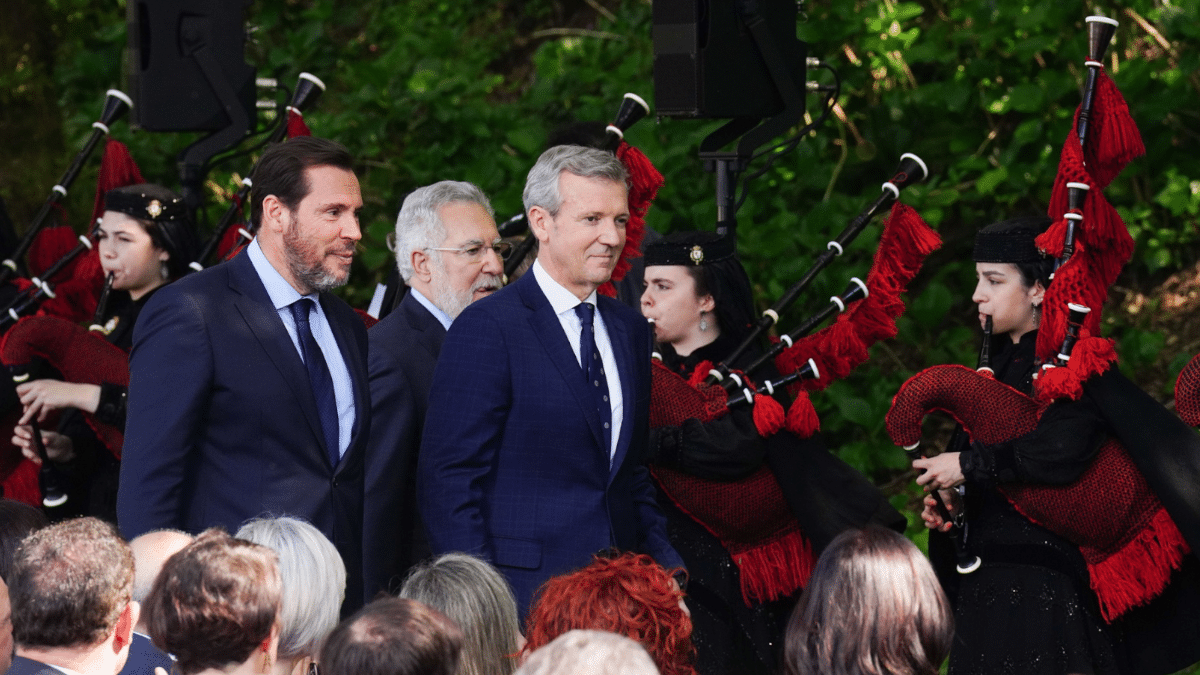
(1056,452)
(111,410)
(728,448)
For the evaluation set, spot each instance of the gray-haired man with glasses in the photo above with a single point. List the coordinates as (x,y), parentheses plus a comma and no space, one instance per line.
(450,254)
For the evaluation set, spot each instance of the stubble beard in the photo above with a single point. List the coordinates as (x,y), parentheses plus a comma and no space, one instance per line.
(453,303)
(307,263)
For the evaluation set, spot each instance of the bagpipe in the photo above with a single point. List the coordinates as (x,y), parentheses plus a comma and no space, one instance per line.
(752,517)
(911,170)
(1123,512)
(116,104)
(225,238)
(50,250)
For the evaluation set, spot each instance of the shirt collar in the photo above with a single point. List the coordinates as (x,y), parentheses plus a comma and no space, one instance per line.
(560,298)
(281,292)
(442,317)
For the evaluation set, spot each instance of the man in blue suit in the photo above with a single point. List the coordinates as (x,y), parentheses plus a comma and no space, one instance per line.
(532,455)
(449,254)
(248,381)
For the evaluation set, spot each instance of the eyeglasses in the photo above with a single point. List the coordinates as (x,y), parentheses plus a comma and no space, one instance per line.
(475,251)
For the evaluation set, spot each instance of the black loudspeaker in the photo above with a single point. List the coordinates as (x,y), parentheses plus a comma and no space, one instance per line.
(186,57)
(707,64)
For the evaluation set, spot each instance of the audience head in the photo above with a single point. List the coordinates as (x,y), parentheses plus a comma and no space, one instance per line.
(447,245)
(589,652)
(393,636)
(313,577)
(477,598)
(17,520)
(150,552)
(872,607)
(71,586)
(629,595)
(216,603)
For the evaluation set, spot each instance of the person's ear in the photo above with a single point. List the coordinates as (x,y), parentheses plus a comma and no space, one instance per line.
(707,304)
(422,264)
(1037,294)
(539,223)
(123,631)
(275,214)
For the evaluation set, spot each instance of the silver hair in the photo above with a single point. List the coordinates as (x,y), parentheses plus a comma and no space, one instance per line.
(418,226)
(541,185)
(313,577)
(477,598)
(593,652)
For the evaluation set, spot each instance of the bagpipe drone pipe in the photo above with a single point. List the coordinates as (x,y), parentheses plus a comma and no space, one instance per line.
(773,536)
(226,239)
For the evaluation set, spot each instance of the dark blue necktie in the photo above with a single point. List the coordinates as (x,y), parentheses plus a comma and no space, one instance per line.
(318,377)
(593,368)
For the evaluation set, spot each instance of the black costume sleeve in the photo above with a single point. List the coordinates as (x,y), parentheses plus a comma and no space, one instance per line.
(111,410)
(1056,452)
(728,448)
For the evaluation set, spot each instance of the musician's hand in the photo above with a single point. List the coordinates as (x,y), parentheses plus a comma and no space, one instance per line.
(933,517)
(59,448)
(41,397)
(942,471)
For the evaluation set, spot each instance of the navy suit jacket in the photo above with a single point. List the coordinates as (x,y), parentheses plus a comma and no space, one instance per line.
(513,465)
(222,422)
(23,666)
(144,657)
(404,348)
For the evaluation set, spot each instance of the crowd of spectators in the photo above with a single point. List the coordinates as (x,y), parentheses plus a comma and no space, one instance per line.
(266,601)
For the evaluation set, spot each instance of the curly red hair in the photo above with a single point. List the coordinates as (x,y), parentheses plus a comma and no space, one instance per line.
(629,595)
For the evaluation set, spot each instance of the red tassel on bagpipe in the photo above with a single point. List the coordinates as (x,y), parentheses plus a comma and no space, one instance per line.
(117,169)
(905,243)
(295,124)
(1113,139)
(802,418)
(1128,540)
(644,184)
(80,355)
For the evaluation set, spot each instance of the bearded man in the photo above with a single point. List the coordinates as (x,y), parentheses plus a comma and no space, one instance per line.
(449,254)
(248,381)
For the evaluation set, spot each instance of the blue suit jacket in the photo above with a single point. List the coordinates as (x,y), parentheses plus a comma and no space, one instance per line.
(144,657)
(23,666)
(404,348)
(222,423)
(513,466)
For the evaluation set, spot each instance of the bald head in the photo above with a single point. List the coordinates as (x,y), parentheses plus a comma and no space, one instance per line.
(150,551)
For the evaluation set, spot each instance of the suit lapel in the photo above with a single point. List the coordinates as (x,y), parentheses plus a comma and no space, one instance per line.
(550,333)
(622,346)
(256,309)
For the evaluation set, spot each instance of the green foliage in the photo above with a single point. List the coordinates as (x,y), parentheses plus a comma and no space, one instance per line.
(982,90)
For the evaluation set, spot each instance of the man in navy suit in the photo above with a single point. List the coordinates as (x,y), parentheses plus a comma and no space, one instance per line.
(532,455)
(449,254)
(72,611)
(248,381)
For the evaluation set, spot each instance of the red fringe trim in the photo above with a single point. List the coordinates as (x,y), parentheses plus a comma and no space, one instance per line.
(1141,569)
(776,569)
(802,419)
(295,125)
(644,184)
(1056,383)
